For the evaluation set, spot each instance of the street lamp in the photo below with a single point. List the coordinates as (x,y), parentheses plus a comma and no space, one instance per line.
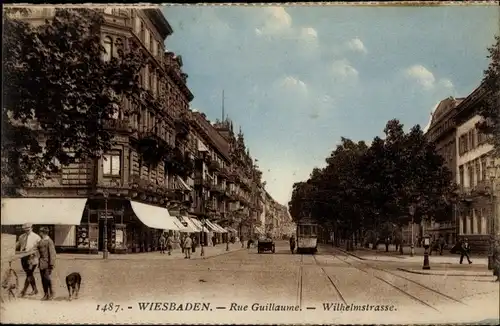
(411,210)
(202,252)
(492,171)
(427,244)
(105,238)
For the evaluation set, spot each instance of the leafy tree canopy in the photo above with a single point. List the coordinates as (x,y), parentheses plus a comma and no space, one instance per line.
(369,186)
(490,108)
(59,93)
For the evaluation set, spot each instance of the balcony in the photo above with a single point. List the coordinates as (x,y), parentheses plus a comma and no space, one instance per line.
(483,187)
(118,125)
(218,188)
(214,166)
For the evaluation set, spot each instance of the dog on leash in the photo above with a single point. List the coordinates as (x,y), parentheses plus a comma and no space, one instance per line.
(73,282)
(10,283)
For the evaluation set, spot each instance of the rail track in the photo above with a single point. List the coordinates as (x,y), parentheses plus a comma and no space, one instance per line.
(300,281)
(413,297)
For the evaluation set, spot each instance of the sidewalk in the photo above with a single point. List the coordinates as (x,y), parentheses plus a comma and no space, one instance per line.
(381,255)
(209,251)
(446,265)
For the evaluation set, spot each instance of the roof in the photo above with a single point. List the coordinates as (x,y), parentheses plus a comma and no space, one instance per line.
(215,137)
(441,110)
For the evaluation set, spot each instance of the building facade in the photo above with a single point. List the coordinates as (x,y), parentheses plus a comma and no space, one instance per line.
(476,211)
(167,163)
(442,132)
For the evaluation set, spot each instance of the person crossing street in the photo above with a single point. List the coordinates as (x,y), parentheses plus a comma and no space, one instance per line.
(187,247)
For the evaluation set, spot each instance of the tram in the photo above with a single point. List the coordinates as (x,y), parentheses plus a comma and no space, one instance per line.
(307,236)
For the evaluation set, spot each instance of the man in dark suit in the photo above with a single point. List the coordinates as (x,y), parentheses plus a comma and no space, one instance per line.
(47,260)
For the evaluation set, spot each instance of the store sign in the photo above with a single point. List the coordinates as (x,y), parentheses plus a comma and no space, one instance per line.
(103,215)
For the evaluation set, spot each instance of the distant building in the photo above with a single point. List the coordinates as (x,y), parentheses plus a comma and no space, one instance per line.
(476,211)
(442,131)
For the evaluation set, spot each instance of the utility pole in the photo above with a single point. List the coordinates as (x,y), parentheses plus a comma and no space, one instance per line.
(222,117)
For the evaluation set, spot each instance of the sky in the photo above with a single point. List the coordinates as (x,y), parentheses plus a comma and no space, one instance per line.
(298,78)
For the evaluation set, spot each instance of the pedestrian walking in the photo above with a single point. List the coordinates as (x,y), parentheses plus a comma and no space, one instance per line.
(464,250)
(169,245)
(242,242)
(187,247)
(213,240)
(28,242)
(47,252)
(292,244)
(195,243)
(163,241)
(442,244)
(387,242)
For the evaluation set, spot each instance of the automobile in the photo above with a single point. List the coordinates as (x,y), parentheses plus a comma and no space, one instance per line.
(265,244)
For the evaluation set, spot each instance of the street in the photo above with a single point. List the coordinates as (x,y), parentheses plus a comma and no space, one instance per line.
(229,281)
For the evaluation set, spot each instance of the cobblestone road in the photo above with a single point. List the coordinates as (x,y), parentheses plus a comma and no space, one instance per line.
(243,277)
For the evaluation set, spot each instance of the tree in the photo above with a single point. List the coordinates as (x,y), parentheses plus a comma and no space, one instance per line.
(60,94)
(371,188)
(490,106)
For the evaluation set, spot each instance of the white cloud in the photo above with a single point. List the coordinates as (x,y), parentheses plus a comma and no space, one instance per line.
(343,69)
(292,83)
(276,21)
(308,33)
(356,45)
(426,79)
(421,75)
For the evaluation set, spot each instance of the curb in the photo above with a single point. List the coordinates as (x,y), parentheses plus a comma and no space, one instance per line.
(91,257)
(350,254)
(443,274)
(221,254)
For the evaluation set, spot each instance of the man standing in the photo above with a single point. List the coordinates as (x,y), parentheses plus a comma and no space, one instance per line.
(187,247)
(162,241)
(47,252)
(28,242)
(292,244)
(464,250)
(442,243)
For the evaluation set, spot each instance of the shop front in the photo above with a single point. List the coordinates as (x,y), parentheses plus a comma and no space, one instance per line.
(80,225)
(203,234)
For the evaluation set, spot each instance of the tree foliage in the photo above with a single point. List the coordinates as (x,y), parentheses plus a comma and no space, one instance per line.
(490,106)
(364,187)
(59,93)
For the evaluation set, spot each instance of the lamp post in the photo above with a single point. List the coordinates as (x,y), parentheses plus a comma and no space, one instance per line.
(202,252)
(411,210)
(105,236)
(427,243)
(492,172)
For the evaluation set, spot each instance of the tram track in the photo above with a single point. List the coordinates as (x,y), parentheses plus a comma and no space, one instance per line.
(300,281)
(413,297)
(337,290)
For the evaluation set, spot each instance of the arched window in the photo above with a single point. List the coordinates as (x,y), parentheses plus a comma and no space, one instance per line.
(108,47)
(118,47)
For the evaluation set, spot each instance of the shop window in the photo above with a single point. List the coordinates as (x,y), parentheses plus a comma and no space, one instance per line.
(111,165)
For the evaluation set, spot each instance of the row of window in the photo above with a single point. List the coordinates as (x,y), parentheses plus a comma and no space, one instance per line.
(473,172)
(471,140)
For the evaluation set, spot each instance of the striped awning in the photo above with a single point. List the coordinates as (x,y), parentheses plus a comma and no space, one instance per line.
(211,227)
(220,228)
(186,221)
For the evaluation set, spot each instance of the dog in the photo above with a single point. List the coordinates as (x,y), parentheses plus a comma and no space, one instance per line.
(10,283)
(73,282)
